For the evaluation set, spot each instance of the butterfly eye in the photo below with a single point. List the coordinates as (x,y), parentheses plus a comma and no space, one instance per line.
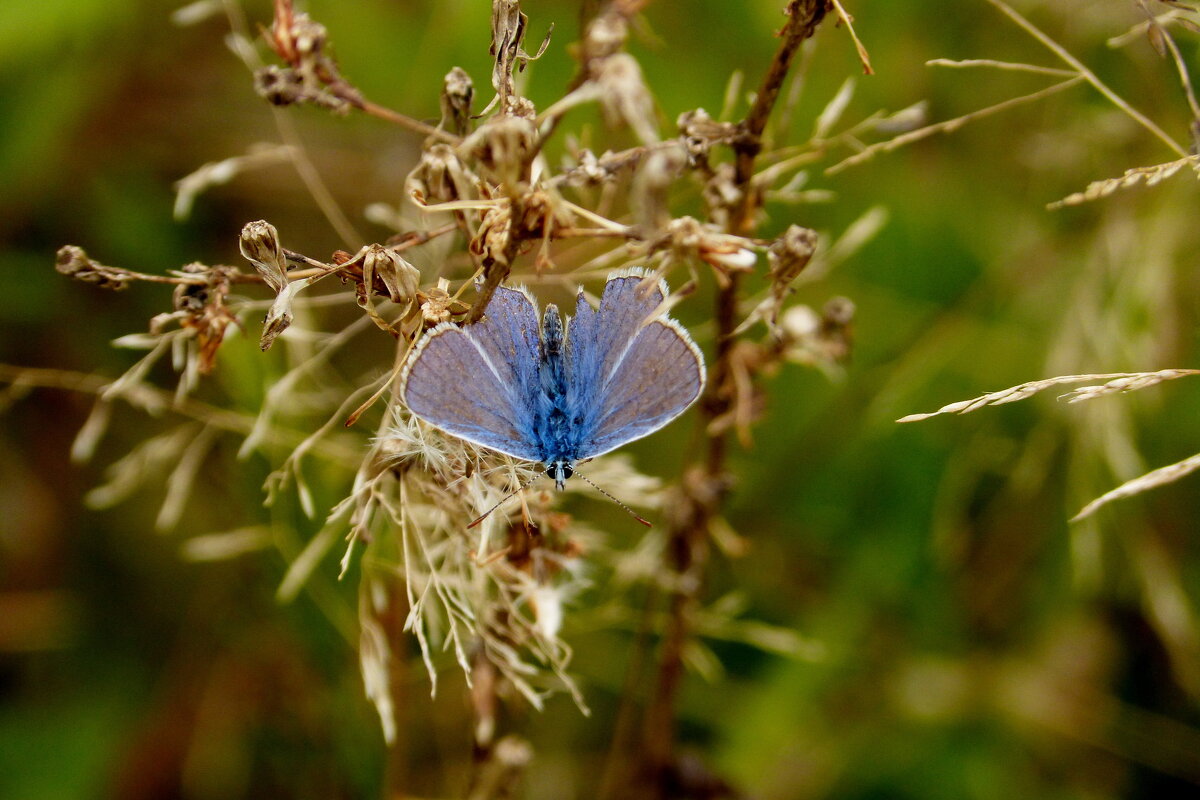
(559,471)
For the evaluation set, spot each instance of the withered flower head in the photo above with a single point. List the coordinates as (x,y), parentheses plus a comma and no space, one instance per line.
(605,35)
(788,256)
(457,93)
(437,304)
(439,177)
(201,308)
(494,235)
(504,146)
(723,252)
(823,340)
(700,132)
(722,193)
(401,279)
(624,97)
(260,246)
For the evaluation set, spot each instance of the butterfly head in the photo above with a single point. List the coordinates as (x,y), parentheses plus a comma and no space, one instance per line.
(559,471)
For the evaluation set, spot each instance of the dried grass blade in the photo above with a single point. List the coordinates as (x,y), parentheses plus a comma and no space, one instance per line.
(1115,382)
(949,125)
(1150,176)
(1151,480)
(848,21)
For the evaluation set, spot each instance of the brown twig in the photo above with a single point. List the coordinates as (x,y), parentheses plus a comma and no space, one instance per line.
(705,484)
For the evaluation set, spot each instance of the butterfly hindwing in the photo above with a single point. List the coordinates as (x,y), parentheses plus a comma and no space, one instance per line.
(475,382)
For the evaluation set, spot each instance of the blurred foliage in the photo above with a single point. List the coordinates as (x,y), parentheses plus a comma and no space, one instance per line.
(976,645)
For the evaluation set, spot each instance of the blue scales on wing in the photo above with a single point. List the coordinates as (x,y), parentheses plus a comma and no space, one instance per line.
(632,370)
(475,382)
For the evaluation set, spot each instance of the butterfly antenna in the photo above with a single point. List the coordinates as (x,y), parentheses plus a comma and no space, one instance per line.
(628,510)
(487,513)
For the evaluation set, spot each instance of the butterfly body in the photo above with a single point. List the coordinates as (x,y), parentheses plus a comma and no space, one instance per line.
(557,393)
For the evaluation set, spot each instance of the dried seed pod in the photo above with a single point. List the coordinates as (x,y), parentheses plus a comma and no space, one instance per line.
(439,177)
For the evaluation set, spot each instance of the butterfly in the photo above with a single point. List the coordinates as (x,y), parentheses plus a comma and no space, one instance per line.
(560,392)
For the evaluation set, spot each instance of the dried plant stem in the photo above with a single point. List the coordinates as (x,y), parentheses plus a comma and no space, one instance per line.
(404,121)
(154,400)
(705,484)
(1009,66)
(949,125)
(286,127)
(1088,75)
(1185,79)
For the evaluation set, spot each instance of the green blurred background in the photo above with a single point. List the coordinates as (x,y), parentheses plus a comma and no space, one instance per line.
(976,645)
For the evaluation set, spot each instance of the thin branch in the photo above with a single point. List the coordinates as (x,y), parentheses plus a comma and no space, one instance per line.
(705,483)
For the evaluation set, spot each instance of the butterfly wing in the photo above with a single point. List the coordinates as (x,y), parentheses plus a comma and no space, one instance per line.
(632,370)
(478,382)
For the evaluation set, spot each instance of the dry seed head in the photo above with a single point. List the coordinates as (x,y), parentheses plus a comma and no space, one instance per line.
(282,86)
(260,246)
(440,176)
(457,93)
(495,232)
(400,277)
(437,303)
(606,35)
(504,146)
(522,107)
(700,132)
(624,97)
(74,262)
(837,328)
(203,310)
(308,36)
(589,167)
(690,237)
(278,86)
(824,340)
(788,256)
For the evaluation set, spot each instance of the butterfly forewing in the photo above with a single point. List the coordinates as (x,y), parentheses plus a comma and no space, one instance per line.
(632,373)
(598,337)
(475,382)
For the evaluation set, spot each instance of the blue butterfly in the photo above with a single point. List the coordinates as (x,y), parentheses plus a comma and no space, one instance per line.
(557,393)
